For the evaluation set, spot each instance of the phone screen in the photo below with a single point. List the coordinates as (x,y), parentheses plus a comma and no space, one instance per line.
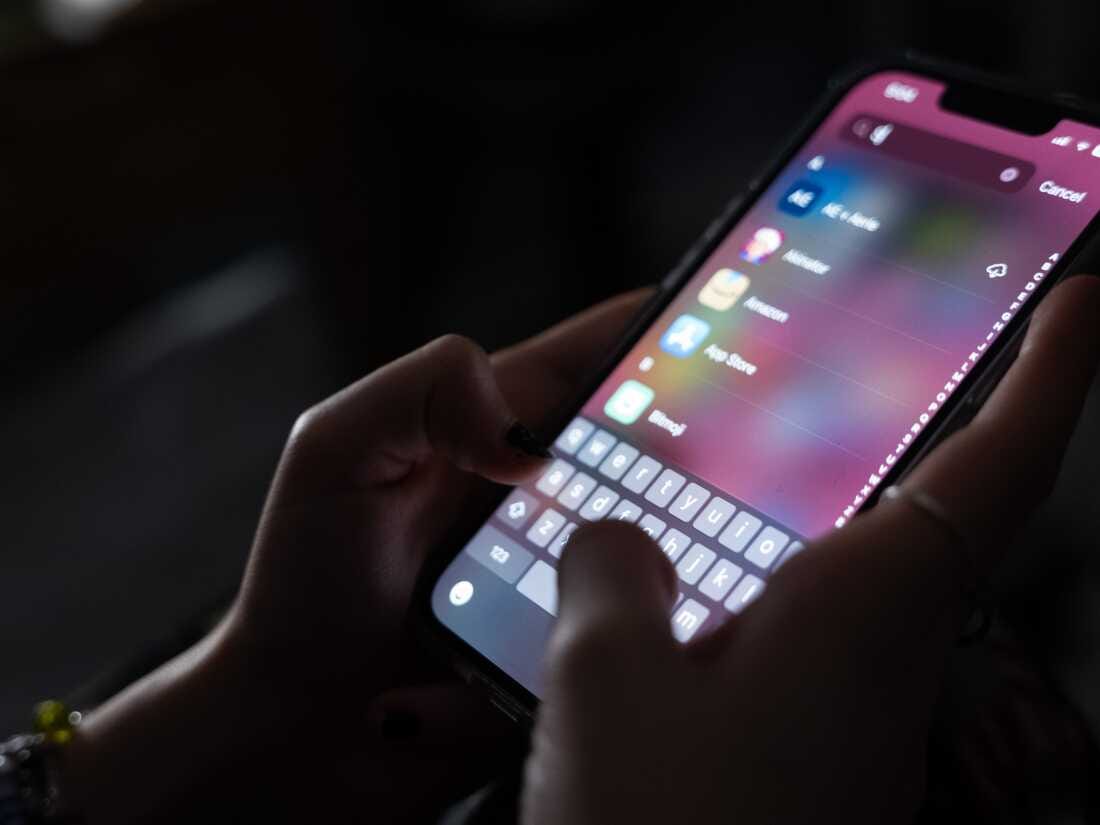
(796,365)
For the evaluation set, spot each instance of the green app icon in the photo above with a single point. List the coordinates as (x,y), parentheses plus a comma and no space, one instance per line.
(629,401)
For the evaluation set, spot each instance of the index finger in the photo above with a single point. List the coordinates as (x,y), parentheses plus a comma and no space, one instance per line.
(538,374)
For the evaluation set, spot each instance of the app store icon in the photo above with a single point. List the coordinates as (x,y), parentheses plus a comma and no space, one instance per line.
(684,336)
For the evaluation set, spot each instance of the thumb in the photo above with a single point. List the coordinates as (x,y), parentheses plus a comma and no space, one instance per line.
(610,662)
(616,592)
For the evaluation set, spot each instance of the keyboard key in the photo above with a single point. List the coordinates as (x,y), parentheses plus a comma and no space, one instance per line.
(665,487)
(558,544)
(554,479)
(540,585)
(574,435)
(720,579)
(597,448)
(695,563)
(626,511)
(714,515)
(577,490)
(641,475)
(767,547)
(746,592)
(517,508)
(616,463)
(793,550)
(499,553)
(687,619)
(673,544)
(688,503)
(740,532)
(545,527)
(652,525)
(600,504)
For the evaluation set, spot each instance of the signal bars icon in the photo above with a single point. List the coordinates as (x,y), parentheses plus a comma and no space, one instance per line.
(1079,145)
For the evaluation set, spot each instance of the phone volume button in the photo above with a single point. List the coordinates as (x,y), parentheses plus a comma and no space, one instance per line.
(713,230)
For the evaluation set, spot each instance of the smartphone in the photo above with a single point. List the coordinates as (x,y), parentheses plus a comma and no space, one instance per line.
(856,305)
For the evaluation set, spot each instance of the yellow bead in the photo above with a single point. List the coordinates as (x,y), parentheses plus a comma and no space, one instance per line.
(53,719)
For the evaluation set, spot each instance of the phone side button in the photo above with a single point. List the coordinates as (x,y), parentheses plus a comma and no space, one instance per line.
(498,698)
(504,707)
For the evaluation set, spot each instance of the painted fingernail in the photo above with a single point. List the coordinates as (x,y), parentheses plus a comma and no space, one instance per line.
(400,724)
(524,440)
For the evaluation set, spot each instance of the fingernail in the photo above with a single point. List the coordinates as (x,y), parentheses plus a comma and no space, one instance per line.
(400,724)
(524,440)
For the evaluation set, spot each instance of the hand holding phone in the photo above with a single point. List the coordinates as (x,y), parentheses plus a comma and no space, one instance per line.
(316,648)
(814,706)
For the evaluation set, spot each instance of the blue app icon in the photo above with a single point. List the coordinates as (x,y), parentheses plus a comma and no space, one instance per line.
(684,336)
(800,198)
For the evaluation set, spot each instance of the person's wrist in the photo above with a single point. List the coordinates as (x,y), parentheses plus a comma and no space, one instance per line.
(180,731)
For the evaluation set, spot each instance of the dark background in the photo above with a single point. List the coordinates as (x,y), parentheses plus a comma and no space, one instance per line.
(216,213)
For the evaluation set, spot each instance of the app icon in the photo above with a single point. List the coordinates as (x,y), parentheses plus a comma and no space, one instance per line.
(724,289)
(800,198)
(628,402)
(684,336)
(763,243)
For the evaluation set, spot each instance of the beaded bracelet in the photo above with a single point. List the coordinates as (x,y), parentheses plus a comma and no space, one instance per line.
(29,791)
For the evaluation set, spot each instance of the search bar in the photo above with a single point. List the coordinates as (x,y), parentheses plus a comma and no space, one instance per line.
(951,157)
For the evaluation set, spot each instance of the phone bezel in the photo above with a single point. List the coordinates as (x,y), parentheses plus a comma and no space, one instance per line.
(512,697)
